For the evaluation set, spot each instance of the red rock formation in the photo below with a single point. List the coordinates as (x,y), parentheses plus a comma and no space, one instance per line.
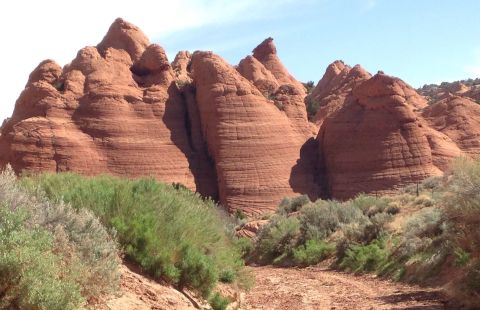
(121,108)
(180,66)
(252,143)
(458,118)
(254,71)
(266,53)
(250,229)
(106,114)
(335,85)
(375,142)
(265,70)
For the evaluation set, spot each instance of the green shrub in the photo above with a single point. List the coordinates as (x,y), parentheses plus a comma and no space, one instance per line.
(289,205)
(461,257)
(78,255)
(32,276)
(427,222)
(369,205)
(312,252)
(197,270)
(157,225)
(365,258)
(278,237)
(322,218)
(312,106)
(218,302)
(227,276)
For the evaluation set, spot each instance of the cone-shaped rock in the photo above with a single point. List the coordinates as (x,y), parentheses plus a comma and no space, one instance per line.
(375,142)
(115,109)
(458,118)
(255,149)
(336,84)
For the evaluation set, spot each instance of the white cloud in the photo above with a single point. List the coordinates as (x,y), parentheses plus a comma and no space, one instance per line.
(56,29)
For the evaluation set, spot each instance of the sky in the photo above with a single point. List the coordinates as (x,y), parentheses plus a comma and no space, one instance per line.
(420,41)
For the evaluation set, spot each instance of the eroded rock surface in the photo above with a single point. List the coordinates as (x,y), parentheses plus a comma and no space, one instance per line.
(255,148)
(375,142)
(459,119)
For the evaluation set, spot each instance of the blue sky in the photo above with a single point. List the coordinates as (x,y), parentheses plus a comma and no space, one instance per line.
(420,41)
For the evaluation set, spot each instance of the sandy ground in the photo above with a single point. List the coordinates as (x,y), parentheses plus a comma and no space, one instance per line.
(320,288)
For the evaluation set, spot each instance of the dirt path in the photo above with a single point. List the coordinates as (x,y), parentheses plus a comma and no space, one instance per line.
(319,288)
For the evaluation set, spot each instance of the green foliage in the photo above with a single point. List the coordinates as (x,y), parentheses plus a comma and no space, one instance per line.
(278,236)
(312,252)
(32,276)
(461,257)
(322,218)
(218,302)
(227,276)
(197,270)
(312,106)
(309,86)
(428,222)
(245,246)
(51,256)
(365,258)
(289,205)
(170,231)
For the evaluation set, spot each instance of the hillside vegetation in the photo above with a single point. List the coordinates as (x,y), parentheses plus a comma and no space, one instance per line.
(171,232)
(51,256)
(62,236)
(425,234)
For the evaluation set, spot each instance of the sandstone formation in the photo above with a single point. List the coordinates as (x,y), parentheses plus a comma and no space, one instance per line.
(180,66)
(253,144)
(375,142)
(459,119)
(336,84)
(469,89)
(114,109)
(266,53)
(240,135)
(265,70)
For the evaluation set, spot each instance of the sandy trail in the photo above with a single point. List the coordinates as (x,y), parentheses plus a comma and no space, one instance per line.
(320,288)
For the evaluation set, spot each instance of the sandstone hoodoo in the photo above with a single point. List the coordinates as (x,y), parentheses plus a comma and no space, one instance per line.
(252,142)
(336,84)
(114,109)
(265,70)
(238,134)
(375,142)
(459,119)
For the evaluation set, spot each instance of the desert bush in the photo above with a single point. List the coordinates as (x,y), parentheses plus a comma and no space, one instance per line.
(393,208)
(312,106)
(312,252)
(461,257)
(423,200)
(278,237)
(322,218)
(369,205)
(290,205)
(218,302)
(78,255)
(32,276)
(427,222)
(159,226)
(227,276)
(365,258)
(197,270)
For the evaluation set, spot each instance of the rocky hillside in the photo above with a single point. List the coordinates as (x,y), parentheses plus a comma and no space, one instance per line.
(239,134)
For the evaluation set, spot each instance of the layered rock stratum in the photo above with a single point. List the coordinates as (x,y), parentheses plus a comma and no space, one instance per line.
(237,134)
